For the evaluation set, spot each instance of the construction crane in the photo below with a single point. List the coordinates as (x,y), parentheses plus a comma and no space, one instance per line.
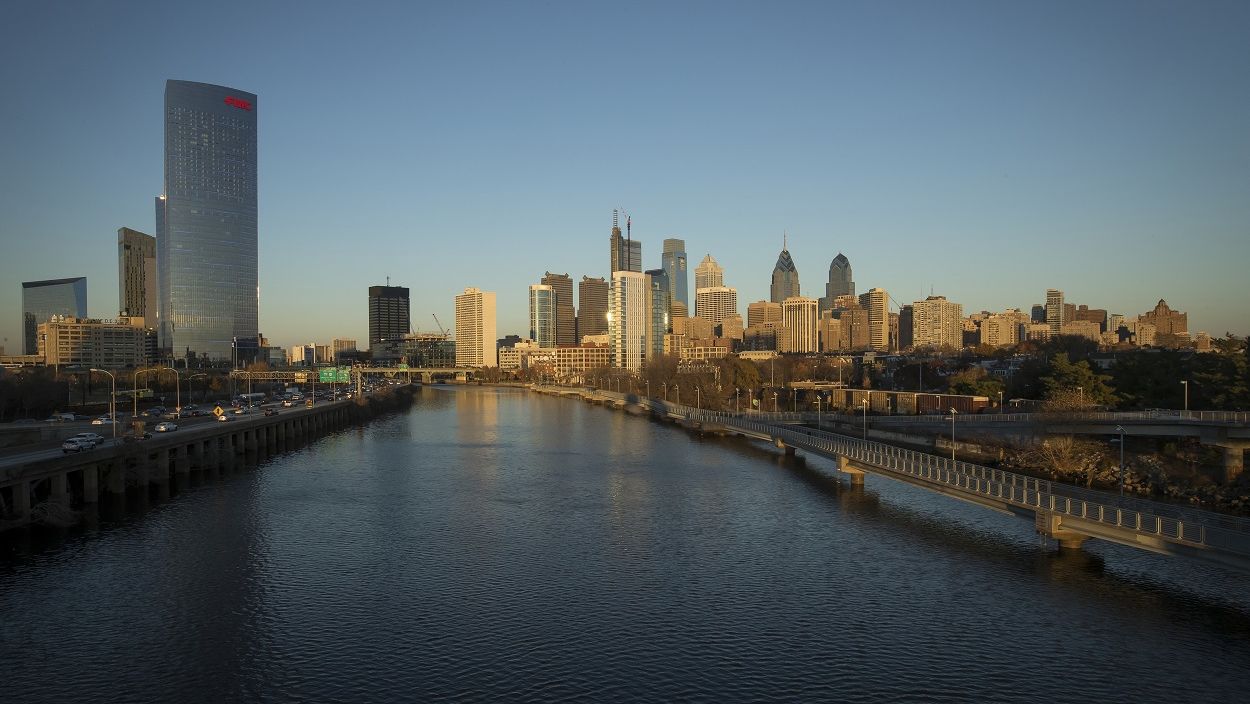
(440,325)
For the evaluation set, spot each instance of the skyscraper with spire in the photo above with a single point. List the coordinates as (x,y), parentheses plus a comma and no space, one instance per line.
(785,276)
(626,251)
(840,283)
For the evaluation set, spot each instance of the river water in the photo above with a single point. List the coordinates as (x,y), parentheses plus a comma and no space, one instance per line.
(496,545)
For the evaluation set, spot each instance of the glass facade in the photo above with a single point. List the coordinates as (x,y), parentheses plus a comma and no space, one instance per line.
(207,221)
(674,262)
(43,299)
(660,287)
(542,315)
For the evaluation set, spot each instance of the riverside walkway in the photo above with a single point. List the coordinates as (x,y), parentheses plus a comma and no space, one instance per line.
(1069,514)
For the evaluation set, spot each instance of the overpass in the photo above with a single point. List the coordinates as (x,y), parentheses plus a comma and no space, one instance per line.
(357,373)
(1069,514)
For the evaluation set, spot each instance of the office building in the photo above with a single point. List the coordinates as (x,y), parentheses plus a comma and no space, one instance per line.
(785,282)
(592,311)
(87,342)
(342,348)
(43,299)
(1054,310)
(906,323)
(542,315)
(1165,320)
(937,323)
(207,241)
(565,319)
(673,261)
(626,251)
(136,274)
(830,333)
(658,291)
(840,282)
(732,327)
(799,316)
(708,274)
(854,326)
(629,318)
(475,329)
(389,317)
(715,303)
(761,312)
(876,303)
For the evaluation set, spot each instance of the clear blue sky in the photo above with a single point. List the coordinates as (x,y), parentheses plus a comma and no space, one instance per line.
(988,150)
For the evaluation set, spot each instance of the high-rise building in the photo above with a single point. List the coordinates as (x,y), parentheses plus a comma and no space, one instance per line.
(906,323)
(830,333)
(43,299)
(936,322)
(136,274)
(1054,310)
(389,317)
(785,278)
(855,330)
(565,319)
(708,274)
(713,304)
(629,319)
(673,261)
(658,291)
(732,327)
(341,347)
(840,282)
(108,344)
(542,315)
(1165,320)
(475,329)
(207,241)
(876,302)
(592,311)
(799,315)
(626,251)
(762,312)
(1003,329)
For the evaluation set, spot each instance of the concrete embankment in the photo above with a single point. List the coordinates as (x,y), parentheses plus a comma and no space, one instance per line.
(53,489)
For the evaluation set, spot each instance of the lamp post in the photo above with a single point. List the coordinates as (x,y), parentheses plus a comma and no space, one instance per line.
(736,400)
(1120,430)
(189,379)
(665,385)
(112,400)
(1080,390)
(818,411)
(864,404)
(774,402)
(648,388)
(1186,385)
(1000,402)
(698,397)
(953,414)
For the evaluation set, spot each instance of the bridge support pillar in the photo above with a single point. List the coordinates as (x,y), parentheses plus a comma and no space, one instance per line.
(1234,463)
(21,501)
(1051,526)
(116,472)
(91,485)
(855,474)
(60,488)
(781,445)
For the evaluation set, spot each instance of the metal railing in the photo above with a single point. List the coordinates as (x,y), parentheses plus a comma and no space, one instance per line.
(1193,527)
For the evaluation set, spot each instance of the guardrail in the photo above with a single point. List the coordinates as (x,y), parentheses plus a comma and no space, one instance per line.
(1193,527)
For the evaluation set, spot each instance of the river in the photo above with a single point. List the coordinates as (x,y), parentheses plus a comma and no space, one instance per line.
(496,545)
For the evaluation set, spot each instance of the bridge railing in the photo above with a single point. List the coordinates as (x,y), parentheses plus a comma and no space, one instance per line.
(1177,524)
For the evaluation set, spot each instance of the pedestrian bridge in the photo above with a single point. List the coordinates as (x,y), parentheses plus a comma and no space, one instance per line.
(1069,514)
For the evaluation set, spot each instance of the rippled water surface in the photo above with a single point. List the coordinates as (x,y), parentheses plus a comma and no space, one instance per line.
(495,545)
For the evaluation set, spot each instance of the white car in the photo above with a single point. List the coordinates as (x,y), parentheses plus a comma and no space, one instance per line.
(77,444)
(165,426)
(225,418)
(93,437)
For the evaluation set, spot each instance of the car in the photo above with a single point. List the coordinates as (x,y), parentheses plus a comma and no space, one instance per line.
(103,420)
(271,411)
(76,444)
(240,411)
(165,426)
(225,418)
(288,403)
(93,437)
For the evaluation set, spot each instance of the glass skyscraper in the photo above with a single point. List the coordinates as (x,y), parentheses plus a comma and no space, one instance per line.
(206,238)
(43,299)
(673,261)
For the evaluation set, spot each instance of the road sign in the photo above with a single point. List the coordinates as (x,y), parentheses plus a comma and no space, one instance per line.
(308,403)
(345,375)
(301,378)
(217,411)
(326,375)
(403,366)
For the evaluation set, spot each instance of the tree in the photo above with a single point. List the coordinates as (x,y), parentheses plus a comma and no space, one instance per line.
(1064,378)
(975,381)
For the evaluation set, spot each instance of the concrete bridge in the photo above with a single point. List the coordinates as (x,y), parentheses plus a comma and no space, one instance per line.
(1068,514)
(81,478)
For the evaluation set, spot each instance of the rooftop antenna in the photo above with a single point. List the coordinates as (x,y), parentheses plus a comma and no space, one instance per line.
(388,282)
(783,240)
(616,224)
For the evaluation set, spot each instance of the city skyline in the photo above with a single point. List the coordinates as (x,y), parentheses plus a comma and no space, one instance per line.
(1118,200)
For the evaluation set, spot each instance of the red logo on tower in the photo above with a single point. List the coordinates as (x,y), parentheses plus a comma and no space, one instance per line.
(236,102)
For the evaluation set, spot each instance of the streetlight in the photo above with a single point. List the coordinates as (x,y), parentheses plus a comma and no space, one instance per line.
(698,397)
(112,400)
(1120,430)
(774,402)
(1186,385)
(177,384)
(864,403)
(1000,402)
(189,379)
(818,411)
(1081,391)
(665,385)
(736,390)
(953,414)
(648,388)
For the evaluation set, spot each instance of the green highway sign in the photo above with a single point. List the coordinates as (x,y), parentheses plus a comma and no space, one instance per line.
(345,375)
(326,375)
